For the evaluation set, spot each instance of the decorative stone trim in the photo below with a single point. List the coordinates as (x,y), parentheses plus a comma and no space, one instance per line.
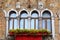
(40,5)
(12,10)
(23,10)
(17,4)
(35,10)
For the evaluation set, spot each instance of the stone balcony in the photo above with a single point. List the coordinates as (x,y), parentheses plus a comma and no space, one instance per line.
(12,38)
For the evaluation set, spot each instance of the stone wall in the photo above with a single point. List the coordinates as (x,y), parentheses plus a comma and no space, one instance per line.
(2,24)
(53,5)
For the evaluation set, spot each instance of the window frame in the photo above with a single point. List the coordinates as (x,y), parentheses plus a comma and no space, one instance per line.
(23,12)
(46,18)
(11,18)
(35,18)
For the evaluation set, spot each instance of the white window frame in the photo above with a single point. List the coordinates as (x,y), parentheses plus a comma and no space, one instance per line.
(53,27)
(7,19)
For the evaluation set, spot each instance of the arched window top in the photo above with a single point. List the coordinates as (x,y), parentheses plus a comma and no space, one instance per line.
(23,14)
(34,14)
(46,14)
(12,14)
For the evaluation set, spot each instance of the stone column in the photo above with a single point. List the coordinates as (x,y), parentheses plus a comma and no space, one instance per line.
(53,28)
(40,23)
(7,28)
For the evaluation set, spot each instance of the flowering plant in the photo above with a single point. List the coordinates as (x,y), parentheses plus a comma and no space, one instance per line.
(26,31)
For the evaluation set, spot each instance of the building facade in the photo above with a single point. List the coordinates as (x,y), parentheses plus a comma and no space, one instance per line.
(30,14)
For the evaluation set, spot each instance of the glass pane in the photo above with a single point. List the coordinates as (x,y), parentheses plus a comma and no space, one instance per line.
(15,24)
(26,24)
(46,14)
(36,23)
(13,15)
(34,15)
(21,23)
(43,24)
(11,24)
(24,14)
(32,23)
(49,25)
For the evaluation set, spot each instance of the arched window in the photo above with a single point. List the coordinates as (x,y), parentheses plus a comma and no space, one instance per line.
(34,20)
(46,20)
(23,20)
(12,20)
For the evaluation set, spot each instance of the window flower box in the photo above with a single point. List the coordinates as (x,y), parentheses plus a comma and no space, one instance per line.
(11,32)
(28,34)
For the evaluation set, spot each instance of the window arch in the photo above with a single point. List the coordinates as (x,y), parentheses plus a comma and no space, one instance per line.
(34,20)
(12,20)
(46,14)
(46,20)
(24,20)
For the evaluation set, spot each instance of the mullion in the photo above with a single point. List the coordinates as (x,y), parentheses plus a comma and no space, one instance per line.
(13,23)
(23,23)
(19,23)
(45,24)
(34,23)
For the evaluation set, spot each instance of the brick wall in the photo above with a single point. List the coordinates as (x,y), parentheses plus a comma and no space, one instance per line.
(2,25)
(25,4)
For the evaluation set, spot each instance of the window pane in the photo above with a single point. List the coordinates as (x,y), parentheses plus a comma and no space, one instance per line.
(34,15)
(15,24)
(26,24)
(24,15)
(49,25)
(32,23)
(36,23)
(21,24)
(13,15)
(46,14)
(43,24)
(11,24)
